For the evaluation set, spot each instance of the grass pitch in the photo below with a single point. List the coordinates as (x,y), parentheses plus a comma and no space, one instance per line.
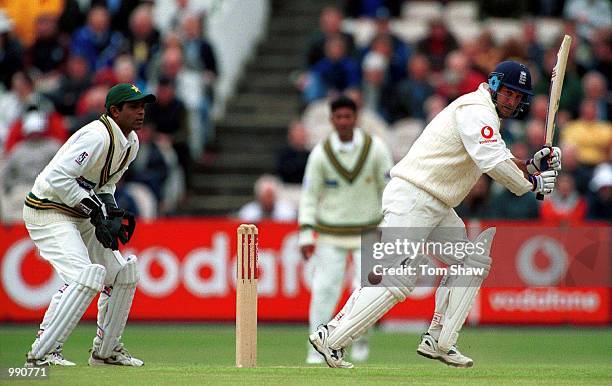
(204,354)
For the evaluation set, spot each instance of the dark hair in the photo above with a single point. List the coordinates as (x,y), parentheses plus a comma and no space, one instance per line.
(343,101)
(119,106)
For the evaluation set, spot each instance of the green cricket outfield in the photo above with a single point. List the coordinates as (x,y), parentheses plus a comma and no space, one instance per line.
(185,354)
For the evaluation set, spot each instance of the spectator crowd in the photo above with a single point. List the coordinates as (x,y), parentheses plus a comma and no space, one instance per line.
(58,59)
(401,61)
(369,51)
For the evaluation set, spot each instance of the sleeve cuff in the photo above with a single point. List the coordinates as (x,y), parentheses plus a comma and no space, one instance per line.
(77,199)
(306,236)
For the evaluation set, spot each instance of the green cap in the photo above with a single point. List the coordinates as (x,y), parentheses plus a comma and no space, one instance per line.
(125,92)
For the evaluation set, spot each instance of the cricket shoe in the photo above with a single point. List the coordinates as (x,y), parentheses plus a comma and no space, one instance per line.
(429,349)
(334,358)
(119,357)
(360,350)
(55,358)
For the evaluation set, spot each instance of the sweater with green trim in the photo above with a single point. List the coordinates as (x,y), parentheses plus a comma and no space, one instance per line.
(343,185)
(94,158)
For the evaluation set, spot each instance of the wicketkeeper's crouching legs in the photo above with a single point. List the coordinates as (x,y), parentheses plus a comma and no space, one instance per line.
(65,311)
(113,310)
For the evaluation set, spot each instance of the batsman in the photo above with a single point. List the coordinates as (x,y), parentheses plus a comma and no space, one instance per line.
(460,144)
(73,219)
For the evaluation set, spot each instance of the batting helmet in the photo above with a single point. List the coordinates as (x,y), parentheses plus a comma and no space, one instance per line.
(515,76)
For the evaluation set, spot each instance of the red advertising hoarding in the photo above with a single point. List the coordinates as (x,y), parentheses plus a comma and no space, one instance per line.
(187,272)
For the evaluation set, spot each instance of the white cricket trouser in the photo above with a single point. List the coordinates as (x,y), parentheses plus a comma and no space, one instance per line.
(329,263)
(69,244)
(407,206)
(404,206)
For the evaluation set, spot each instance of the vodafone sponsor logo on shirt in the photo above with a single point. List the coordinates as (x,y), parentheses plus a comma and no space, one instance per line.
(487,135)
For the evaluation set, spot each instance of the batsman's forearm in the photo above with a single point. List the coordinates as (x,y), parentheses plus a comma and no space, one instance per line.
(509,175)
(522,164)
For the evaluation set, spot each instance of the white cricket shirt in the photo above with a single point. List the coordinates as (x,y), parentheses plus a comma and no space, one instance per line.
(460,144)
(95,157)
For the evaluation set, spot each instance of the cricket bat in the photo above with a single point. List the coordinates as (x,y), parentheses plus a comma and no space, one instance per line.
(556,85)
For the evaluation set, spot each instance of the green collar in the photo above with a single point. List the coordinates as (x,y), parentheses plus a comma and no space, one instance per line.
(352,174)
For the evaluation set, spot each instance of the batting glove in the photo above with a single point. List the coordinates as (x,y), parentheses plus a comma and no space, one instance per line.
(555,159)
(545,159)
(544,182)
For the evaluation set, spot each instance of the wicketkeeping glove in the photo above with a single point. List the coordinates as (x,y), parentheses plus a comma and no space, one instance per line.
(106,230)
(544,160)
(123,216)
(544,182)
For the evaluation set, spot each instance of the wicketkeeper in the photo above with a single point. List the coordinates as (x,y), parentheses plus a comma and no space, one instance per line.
(460,144)
(73,219)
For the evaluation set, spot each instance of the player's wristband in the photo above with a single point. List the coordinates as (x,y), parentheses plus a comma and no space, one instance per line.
(88,206)
(534,182)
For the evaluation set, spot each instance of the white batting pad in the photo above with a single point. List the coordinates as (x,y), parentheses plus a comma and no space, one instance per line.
(114,307)
(368,304)
(461,292)
(442,295)
(365,306)
(67,308)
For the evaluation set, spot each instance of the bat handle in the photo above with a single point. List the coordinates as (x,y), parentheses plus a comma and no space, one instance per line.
(540,196)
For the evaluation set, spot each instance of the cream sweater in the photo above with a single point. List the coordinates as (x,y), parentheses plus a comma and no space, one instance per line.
(460,144)
(343,185)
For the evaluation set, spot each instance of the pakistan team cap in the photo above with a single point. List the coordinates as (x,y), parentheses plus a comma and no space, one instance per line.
(125,92)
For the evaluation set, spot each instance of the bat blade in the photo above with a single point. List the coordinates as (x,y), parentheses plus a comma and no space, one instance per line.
(556,85)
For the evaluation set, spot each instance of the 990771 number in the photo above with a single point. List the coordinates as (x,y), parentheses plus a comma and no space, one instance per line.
(27,372)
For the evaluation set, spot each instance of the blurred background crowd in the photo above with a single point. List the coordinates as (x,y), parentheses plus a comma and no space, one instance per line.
(58,60)
(401,61)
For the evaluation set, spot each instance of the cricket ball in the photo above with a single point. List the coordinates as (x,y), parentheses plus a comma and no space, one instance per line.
(374,279)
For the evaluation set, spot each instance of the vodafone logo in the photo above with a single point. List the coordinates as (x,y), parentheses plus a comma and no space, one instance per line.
(554,252)
(487,134)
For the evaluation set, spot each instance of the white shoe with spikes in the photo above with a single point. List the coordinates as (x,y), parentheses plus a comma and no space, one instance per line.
(333,358)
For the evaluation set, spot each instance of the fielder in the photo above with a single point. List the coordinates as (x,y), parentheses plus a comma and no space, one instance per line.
(460,144)
(346,171)
(73,220)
